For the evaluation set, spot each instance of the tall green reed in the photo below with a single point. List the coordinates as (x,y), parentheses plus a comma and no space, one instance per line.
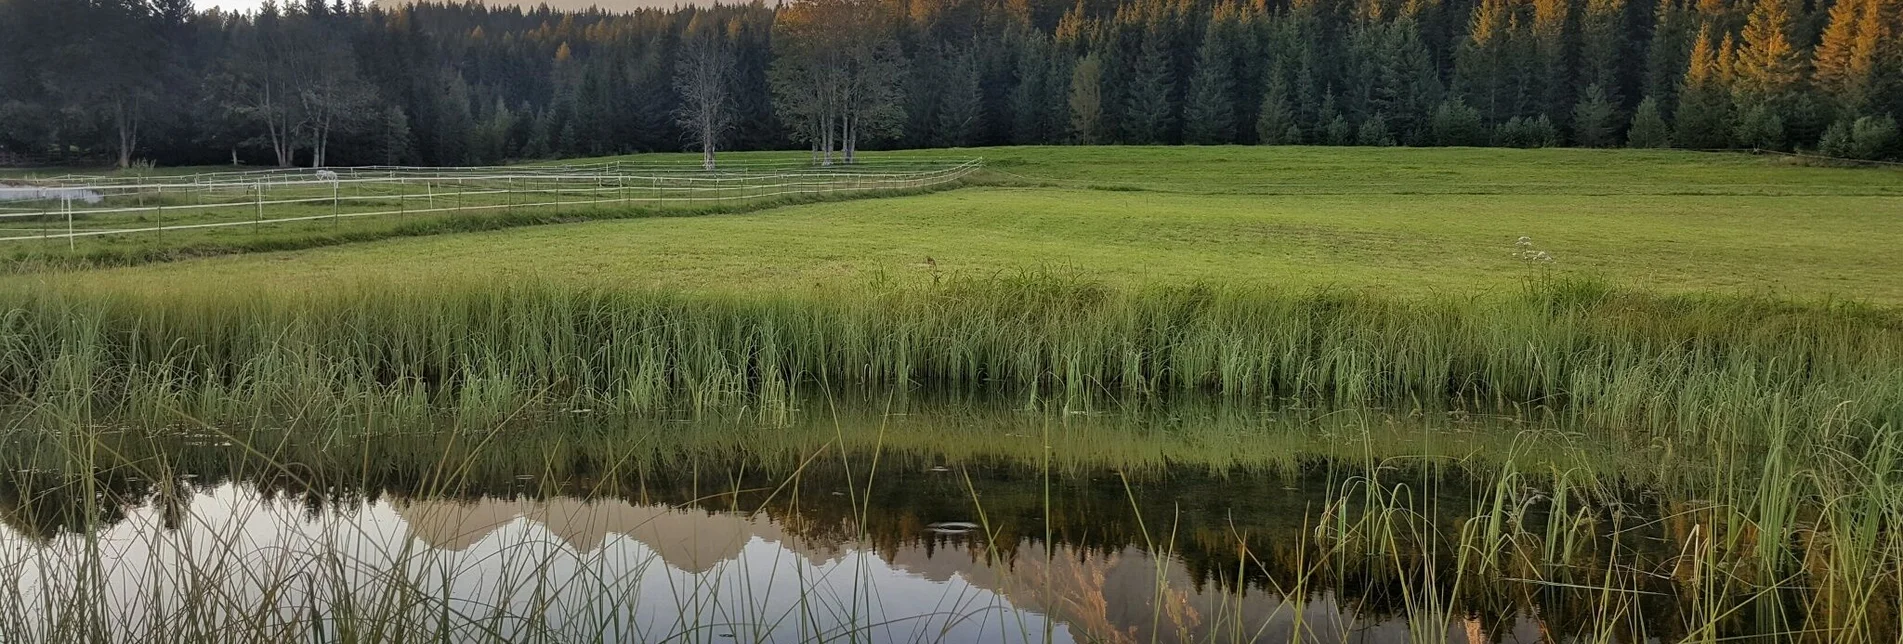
(1677,367)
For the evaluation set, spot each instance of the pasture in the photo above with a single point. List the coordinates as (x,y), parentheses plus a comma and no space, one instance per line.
(1394,220)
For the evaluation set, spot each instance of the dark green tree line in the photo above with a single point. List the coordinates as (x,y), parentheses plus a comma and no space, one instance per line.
(320,82)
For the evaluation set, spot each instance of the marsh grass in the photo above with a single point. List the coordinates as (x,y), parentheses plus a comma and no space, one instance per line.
(1626,363)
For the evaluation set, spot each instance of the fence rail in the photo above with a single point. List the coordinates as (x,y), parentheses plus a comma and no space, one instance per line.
(70,208)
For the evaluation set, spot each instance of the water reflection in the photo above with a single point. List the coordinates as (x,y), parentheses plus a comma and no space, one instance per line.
(655,571)
(909,530)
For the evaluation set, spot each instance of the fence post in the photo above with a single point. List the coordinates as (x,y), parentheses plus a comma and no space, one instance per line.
(259,187)
(159,195)
(71,245)
(335,207)
(402,198)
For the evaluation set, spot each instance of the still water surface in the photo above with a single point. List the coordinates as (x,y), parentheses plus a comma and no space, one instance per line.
(821,539)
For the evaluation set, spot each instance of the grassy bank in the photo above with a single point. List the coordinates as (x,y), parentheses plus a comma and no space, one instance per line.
(1617,360)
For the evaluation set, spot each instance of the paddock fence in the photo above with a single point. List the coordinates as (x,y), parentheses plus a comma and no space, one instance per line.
(74,207)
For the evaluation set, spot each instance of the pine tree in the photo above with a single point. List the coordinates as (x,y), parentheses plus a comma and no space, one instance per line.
(1648,127)
(1086,100)
(1210,112)
(1147,109)
(1595,120)
(1277,117)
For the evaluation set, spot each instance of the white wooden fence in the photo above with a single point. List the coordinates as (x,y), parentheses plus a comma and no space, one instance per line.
(73,207)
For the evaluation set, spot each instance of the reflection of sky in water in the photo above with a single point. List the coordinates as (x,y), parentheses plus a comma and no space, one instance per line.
(706,576)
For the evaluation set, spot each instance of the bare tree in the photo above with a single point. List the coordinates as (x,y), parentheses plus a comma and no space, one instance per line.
(704,78)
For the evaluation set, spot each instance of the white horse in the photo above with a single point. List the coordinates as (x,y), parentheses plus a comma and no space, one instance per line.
(326,175)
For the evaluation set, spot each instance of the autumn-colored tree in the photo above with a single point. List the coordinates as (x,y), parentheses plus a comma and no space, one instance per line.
(1704,104)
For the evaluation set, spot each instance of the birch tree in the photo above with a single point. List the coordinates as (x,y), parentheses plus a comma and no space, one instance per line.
(703,76)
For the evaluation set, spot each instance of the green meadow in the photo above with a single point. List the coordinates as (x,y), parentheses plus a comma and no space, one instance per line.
(1406,221)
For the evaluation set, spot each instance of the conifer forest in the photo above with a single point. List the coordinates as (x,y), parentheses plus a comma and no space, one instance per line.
(309,82)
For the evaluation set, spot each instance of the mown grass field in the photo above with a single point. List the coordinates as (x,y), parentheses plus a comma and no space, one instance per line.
(1408,221)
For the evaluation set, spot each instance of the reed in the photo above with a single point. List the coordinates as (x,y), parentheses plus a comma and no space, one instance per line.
(1628,363)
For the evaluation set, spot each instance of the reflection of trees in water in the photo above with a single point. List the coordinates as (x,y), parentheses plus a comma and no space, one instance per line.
(1231,528)
(44,505)
(1225,534)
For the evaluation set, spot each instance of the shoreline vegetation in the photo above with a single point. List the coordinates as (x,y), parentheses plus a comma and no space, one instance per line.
(1621,361)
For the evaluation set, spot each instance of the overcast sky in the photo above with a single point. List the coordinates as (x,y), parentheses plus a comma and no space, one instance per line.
(230,5)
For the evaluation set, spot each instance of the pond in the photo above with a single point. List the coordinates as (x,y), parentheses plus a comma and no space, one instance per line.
(938,522)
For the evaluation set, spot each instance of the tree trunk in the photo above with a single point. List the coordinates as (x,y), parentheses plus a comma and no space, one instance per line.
(128,125)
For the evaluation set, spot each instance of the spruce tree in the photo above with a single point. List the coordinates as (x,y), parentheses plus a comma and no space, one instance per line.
(1760,127)
(1339,131)
(1648,127)
(1277,117)
(1374,132)
(1595,120)
(1481,65)
(1147,110)
(1666,57)
(1209,113)
(1457,124)
(961,103)
(1419,75)
(1551,49)
(1032,100)
(1602,47)
(394,137)
(1836,141)
(1703,104)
